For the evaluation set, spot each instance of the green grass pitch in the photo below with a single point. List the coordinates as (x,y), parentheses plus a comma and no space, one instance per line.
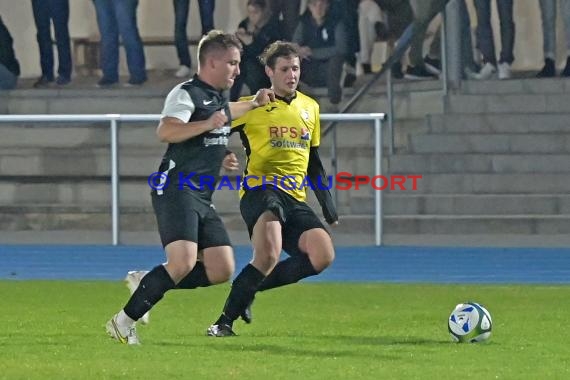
(55,330)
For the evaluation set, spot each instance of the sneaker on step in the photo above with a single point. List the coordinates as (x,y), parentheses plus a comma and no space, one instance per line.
(133,279)
(505,71)
(549,69)
(433,65)
(183,72)
(123,334)
(566,71)
(43,82)
(107,83)
(220,331)
(397,72)
(487,72)
(418,73)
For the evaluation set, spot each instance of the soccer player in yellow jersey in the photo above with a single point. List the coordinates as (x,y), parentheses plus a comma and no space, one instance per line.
(281,141)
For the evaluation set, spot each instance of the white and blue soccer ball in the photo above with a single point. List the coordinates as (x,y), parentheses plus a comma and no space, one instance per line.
(470,322)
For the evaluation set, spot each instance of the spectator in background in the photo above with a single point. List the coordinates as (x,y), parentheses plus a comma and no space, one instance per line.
(119,17)
(255,32)
(372,27)
(486,43)
(9,66)
(181,11)
(347,13)
(433,59)
(399,15)
(45,13)
(323,46)
(548,12)
(424,12)
(288,12)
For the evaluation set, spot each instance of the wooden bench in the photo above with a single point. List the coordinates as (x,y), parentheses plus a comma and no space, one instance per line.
(88,61)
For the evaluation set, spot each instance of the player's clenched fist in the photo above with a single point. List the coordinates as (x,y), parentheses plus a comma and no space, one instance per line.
(263,96)
(217,120)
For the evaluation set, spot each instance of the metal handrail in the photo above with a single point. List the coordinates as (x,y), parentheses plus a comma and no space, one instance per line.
(115,119)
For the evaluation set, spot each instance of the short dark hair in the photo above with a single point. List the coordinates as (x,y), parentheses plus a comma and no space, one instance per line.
(216,40)
(261,4)
(276,50)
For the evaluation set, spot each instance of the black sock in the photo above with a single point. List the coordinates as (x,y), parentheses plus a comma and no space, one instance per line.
(195,279)
(288,271)
(150,291)
(243,290)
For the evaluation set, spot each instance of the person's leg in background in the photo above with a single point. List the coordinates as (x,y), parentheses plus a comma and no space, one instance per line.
(432,60)
(468,61)
(8,80)
(350,18)
(107,22)
(485,41)
(181,9)
(333,69)
(505,8)
(565,4)
(42,19)
(369,15)
(399,15)
(60,17)
(424,11)
(126,11)
(207,8)
(548,16)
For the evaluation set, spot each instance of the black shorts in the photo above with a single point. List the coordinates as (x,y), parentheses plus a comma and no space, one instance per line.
(296,217)
(183,216)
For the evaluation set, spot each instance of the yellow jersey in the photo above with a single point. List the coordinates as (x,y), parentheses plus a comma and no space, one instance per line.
(277,139)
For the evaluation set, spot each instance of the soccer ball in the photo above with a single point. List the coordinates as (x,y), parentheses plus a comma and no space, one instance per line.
(470,322)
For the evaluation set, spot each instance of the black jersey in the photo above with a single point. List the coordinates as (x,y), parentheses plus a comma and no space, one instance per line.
(194,165)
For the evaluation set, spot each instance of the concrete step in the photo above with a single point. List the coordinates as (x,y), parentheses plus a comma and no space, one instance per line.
(141,220)
(517,86)
(71,190)
(478,163)
(477,224)
(88,194)
(521,123)
(507,103)
(465,204)
(81,162)
(139,161)
(412,105)
(142,100)
(143,135)
(490,143)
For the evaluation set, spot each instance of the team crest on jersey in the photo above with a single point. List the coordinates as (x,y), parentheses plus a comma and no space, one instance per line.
(305,115)
(305,135)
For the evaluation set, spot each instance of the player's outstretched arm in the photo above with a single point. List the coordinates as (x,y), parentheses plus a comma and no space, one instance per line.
(174,130)
(262,97)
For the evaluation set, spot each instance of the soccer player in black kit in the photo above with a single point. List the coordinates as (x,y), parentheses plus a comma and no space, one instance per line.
(196,124)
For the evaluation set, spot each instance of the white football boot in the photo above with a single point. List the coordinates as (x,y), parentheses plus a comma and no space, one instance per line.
(126,334)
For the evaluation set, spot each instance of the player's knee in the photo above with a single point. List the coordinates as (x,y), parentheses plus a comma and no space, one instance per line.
(321,259)
(223,273)
(266,261)
(178,270)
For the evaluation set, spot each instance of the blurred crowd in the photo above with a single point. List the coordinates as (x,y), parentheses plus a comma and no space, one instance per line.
(337,40)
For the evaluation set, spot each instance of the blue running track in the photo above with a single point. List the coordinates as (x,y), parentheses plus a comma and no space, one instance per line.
(358,264)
